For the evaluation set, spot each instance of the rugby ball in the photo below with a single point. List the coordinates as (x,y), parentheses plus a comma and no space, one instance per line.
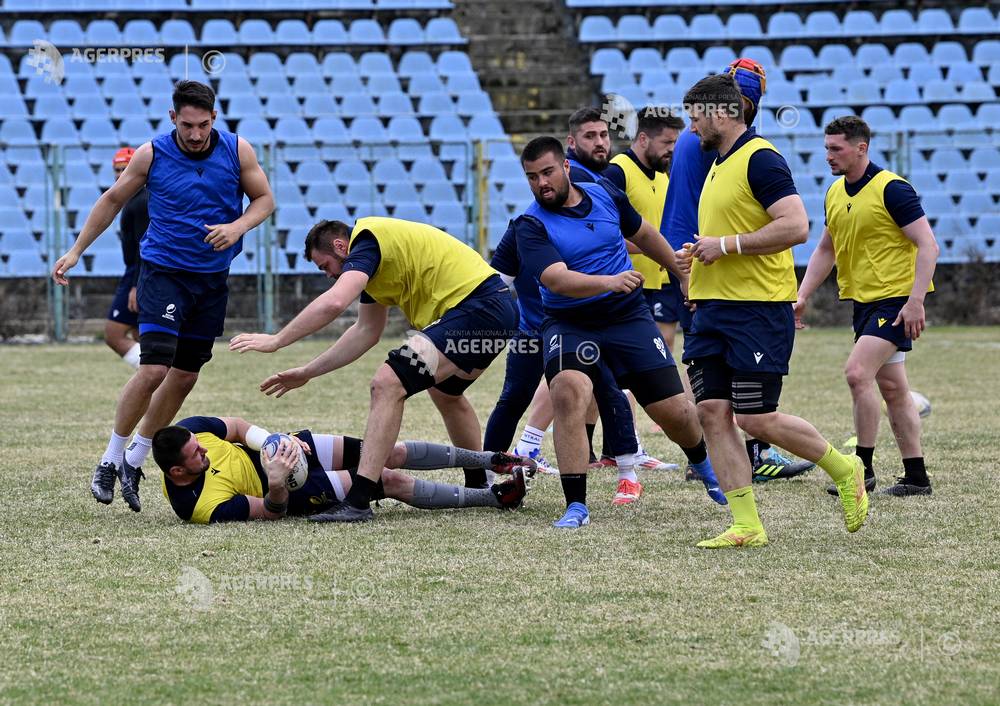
(297,478)
(921,403)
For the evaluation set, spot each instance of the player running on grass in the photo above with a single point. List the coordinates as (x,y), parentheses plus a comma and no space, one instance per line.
(743,283)
(464,310)
(572,240)
(879,238)
(196,177)
(213,471)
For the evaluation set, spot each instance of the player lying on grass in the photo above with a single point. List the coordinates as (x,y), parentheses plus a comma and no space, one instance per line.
(213,471)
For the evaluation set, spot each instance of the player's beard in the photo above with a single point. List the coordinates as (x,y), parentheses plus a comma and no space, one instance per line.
(594,164)
(711,139)
(557,199)
(658,163)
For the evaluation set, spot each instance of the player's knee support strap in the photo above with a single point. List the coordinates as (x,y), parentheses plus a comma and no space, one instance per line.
(192,354)
(411,369)
(454,385)
(710,378)
(157,348)
(654,385)
(756,393)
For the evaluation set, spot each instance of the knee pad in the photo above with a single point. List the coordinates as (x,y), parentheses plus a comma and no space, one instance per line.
(654,385)
(756,393)
(157,348)
(411,369)
(711,378)
(193,353)
(454,385)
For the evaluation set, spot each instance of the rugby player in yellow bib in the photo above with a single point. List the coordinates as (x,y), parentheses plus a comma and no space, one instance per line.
(743,283)
(213,471)
(463,308)
(882,243)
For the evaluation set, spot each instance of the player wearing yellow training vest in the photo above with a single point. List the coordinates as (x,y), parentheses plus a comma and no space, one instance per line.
(641,172)
(743,282)
(213,471)
(882,243)
(464,310)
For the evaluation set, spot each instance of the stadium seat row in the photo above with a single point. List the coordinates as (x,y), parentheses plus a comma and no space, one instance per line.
(222,33)
(202,5)
(786,25)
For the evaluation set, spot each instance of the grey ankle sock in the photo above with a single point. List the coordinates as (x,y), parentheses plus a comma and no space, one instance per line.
(427,456)
(428,495)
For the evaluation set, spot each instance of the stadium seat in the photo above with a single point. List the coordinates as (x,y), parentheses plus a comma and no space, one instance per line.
(255,130)
(977,20)
(984,158)
(374,63)
(292,130)
(956,116)
(485,127)
(28,174)
(822,24)
(416,62)
(60,131)
(88,106)
(717,58)
(798,57)
(271,85)
(51,106)
(292,33)
(382,84)
(23,33)
(265,63)
(833,56)
(785,25)
(743,25)
(902,92)
(395,104)
(880,118)
(885,74)
(365,32)
(607,60)
(438,191)
(593,28)
(935,21)
(347,84)
(977,92)
(100,131)
(282,107)
(66,33)
(177,33)
(860,23)
(633,28)
(870,55)
(896,22)
(918,118)
(442,30)
(976,204)
(427,169)
(700,27)
(961,182)
(669,28)
(949,54)
(25,263)
(255,32)
(825,93)
(358,105)
(405,31)
(400,192)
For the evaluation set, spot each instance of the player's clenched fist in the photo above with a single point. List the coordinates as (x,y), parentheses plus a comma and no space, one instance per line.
(626,282)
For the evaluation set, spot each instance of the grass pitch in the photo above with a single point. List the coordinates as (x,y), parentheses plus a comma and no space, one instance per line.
(98,605)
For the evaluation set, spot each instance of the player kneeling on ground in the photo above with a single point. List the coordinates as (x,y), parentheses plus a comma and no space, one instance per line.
(214,471)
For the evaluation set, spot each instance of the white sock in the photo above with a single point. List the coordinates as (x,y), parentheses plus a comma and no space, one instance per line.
(138,450)
(626,467)
(132,356)
(531,440)
(116,449)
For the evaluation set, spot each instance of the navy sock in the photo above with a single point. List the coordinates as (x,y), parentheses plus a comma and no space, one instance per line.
(475,477)
(360,494)
(590,441)
(696,454)
(574,487)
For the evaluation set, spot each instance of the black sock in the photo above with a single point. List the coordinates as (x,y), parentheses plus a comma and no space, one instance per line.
(914,471)
(360,494)
(696,454)
(753,451)
(475,477)
(865,453)
(574,487)
(590,441)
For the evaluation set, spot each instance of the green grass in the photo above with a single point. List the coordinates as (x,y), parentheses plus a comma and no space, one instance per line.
(477,607)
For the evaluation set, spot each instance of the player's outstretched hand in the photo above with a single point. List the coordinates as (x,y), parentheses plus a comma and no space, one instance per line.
(912,318)
(799,308)
(222,236)
(626,282)
(280,383)
(706,250)
(63,265)
(260,342)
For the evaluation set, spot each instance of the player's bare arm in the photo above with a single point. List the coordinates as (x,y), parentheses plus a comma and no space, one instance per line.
(562,280)
(789,226)
(321,311)
(359,338)
(652,244)
(105,209)
(820,265)
(254,183)
(912,315)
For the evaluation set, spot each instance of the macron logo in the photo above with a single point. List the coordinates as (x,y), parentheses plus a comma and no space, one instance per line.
(757,357)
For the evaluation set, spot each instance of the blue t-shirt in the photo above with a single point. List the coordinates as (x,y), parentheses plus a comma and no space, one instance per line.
(688,170)
(529,300)
(188,191)
(587,237)
(901,201)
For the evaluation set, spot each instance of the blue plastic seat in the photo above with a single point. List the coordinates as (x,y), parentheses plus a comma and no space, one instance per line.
(312,172)
(902,92)
(358,105)
(395,105)
(708,26)
(426,169)
(329,129)
(217,32)
(356,195)
(416,62)
(976,204)
(470,104)
(963,181)
(330,33)
(135,131)
(422,84)
(447,128)
(669,28)
(127,105)
(25,263)
(255,130)
(869,55)
(405,129)
(947,160)
(405,31)
(798,57)
(977,92)
(52,106)
(784,25)
(593,28)
(484,127)
(368,130)
(382,84)
(985,159)
(141,33)
(292,129)
(347,84)
(880,118)
(319,104)
(374,63)
(400,192)
(272,85)
(463,83)
(822,24)
(255,32)
(65,33)
(743,25)
(265,63)
(351,171)
(977,20)
(832,56)
(60,131)
(292,33)
(934,21)
(438,191)
(451,63)
(389,170)
(957,116)
(940,91)
(23,33)
(302,64)
(243,105)
(100,131)
(177,33)
(608,60)
(895,22)
(443,30)
(860,23)
(188,67)
(366,32)
(103,33)
(949,54)
(825,93)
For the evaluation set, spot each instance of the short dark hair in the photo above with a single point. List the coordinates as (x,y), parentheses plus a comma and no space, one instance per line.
(541,146)
(717,90)
(584,116)
(851,127)
(653,120)
(195,94)
(167,445)
(321,236)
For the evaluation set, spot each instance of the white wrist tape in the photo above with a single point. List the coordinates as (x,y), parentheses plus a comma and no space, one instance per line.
(255,437)
(722,242)
(739,248)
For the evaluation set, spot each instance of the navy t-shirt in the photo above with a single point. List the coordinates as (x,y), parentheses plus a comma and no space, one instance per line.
(507,261)
(365,256)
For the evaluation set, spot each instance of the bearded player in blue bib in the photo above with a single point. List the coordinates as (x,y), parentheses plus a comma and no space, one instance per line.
(572,240)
